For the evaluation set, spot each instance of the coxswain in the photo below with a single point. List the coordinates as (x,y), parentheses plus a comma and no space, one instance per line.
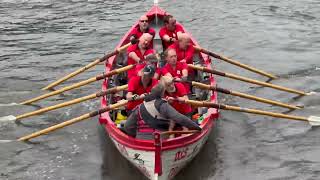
(139,86)
(143,27)
(155,113)
(170,32)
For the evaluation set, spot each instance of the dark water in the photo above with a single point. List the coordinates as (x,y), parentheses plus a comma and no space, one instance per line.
(43,40)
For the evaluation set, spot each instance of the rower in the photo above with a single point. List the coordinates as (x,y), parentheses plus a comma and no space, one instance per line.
(137,53)
(139,86)
(170,32)
(143,27)
(184,48)
(155,113)
(173,68)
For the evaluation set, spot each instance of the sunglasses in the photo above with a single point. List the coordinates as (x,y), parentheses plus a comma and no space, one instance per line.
(144,21)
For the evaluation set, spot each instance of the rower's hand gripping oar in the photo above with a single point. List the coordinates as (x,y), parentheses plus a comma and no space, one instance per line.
(313,120)
(232,76)
(79,84)
(231,61)
(90,65)
(243,95)
(61,105)
(69,122)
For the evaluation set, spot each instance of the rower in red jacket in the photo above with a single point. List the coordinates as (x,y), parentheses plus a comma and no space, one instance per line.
(175,69)
(170,32)
(184,48)
(139,86)
(137,53)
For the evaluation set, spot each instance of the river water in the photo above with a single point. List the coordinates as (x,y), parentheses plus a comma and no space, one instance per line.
(42,40)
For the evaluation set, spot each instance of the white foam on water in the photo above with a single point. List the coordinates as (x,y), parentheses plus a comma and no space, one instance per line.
(311,93)
(6,141)
(7,118)
(10,104)
(314,120)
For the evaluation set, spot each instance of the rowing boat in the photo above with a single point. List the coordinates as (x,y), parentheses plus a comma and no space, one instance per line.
(159,158)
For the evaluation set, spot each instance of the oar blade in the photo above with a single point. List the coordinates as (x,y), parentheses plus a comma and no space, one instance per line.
(314,120)
(8,118)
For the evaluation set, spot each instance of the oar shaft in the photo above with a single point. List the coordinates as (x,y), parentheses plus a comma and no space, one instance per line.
(90,65)
(231,61)
(243,95)
(82,83)
(232,76)
(267,113)
(79,84)
(259,99)
(72,121)
(265,84)
(240,109)
(61,80)
(55,127)
(40,111)
(74,101)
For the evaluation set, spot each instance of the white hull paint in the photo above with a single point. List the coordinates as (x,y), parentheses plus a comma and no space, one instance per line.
(172,160)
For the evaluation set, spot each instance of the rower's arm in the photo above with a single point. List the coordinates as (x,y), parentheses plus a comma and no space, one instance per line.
(134,56)
(172,114)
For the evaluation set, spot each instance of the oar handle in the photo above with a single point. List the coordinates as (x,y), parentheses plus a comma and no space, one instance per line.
(231,61)
(90,65)
(74,120)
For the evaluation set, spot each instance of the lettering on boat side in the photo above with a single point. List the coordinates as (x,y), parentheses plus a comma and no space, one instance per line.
(195,149)
(144,170)
(173,172)
(136,158)
(181,154)
(122,149)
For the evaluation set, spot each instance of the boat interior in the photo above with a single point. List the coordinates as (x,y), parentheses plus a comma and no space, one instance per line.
(120,115)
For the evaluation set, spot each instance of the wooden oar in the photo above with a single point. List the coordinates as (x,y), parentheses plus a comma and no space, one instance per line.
(231,61)
(232,76)
(79,84)
(74,120)
(61,105)
(179,132)
(90,65)
(243,95)
(313,120)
